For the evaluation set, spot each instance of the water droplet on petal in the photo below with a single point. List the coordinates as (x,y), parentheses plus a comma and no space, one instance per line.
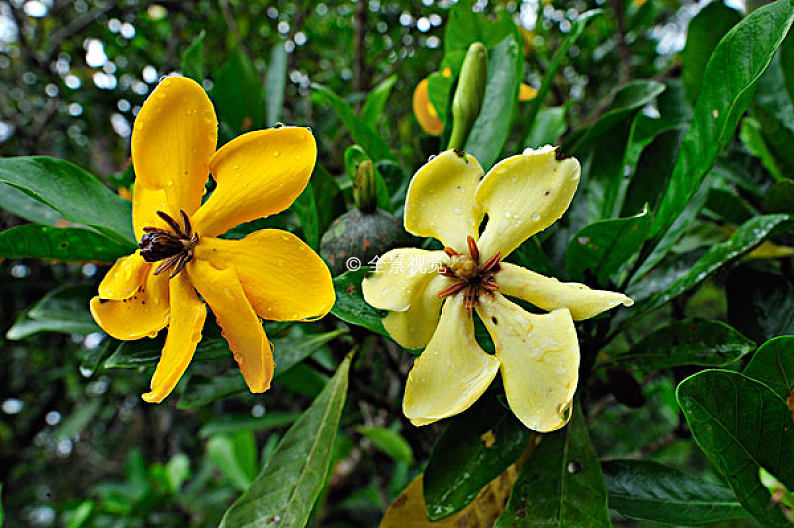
(535,217)
(275,153)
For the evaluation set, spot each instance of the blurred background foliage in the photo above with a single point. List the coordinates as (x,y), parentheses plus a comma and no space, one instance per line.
(78,447)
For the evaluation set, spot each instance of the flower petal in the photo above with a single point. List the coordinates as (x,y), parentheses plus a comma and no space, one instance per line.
(142,315)
(526,92)
(539,357)
(221,289)
(452,372)
(184,333)
(523,195)
(173,137)
(258,174)
(124,278)
(399,275)
(440,200)
(145,204)
(548,293)
(424,111)
(413,327)
(282,277)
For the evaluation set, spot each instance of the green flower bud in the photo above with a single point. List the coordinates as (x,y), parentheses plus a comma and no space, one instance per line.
(364,192)
(469,94)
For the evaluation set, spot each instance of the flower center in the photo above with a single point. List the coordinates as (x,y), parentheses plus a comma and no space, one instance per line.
(174,247)
(469,274)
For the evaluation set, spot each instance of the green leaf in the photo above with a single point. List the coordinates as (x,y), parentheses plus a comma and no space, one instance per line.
(75,518)
(63,310)
(475,448)
(465,27)
(742,426)
(238,94)
(752,138)
(688,342)
(703,34)
(774,110)
(362,134)
(603,248)
(780,198)
(285,491)
(773,364)
(561,484)
(439,91)
(67,244)
(654,167)
(736,65)
(376,102)
(193,59)
(548,126)
(177,471)
(760,303)
(350,304)
(354,155)
(21,204)
(305,208)
(390,442)
(327,195)
(489,132)
(275,83)
(235,456)
(647,490)
(744,239)
(78,196)
(234,423)
(78,420)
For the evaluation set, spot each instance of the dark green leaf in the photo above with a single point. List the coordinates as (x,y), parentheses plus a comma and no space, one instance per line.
(463,460)
(327,195)
(376,102)
(603,248)
(73,193)
(737,63)
(561,484)
(275,83)
(21,204)
(703,34)
(63,310)
(350,304)
(232,424)
(688,342)
(760,303)
(193,59)
(653,171)
(238,94)
(283,494)
(728,206)
(743,426)
(390,442)
(752,138)
(780,198)
(439,91)
(305,208)
(67,244)
(548,126)
(773,364)
(774,110)
(235,456)
(647,490)
(489,132)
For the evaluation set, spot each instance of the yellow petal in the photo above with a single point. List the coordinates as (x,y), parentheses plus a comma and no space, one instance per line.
(452,372)
(526,93)
(440,200)
(258,174)
(239,324)
(173,137)
(424,111)
(184,333)
(283,279)
(142,315)
(398,275)
(124,278)
(145,204)
(522,195)
(547,293)
(414,327)
(539,357)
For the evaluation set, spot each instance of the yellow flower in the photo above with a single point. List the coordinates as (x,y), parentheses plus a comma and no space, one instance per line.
(426,113)
(538,354)
(270,273)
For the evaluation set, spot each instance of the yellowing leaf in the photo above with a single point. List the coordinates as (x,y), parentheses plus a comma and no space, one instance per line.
(408,510)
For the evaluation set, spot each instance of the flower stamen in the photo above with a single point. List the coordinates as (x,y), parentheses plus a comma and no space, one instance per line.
(469,275)
(174,248)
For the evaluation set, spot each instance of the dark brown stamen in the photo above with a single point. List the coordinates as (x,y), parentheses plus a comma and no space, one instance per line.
(492,264)
(473,251)
(470,277)
(174,248)
(451,252)
(452,289)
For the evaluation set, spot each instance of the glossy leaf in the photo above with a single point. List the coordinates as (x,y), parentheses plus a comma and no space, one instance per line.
(743,426)
(688,342)
(21,204)
(305,207)
(238,94)
(561,484)
(390,442)
(773,364)
(193,59)
(652,172)
(475,448)
(350,304)
(63,310)
(549,125)
(376,102)
(275,84)
(753,140)
(235,456)
(647,490)
(736,65)
(774,110)
(78,196)
(284,492)
(603,248)
(66,244)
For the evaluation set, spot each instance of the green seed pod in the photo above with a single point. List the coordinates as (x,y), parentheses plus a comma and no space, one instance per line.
(469,94)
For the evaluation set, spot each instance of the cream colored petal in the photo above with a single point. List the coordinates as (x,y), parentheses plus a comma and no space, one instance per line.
(523,195)
(184,333)
(452,372)
(414,327)
(124,278)
(548,293)
(398,275)
(440,200)
(539,357)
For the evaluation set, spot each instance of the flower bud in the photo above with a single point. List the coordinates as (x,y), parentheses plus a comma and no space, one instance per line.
(365,193)
(469,94)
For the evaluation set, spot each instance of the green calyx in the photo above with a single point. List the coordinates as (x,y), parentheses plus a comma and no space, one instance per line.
(364,192)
